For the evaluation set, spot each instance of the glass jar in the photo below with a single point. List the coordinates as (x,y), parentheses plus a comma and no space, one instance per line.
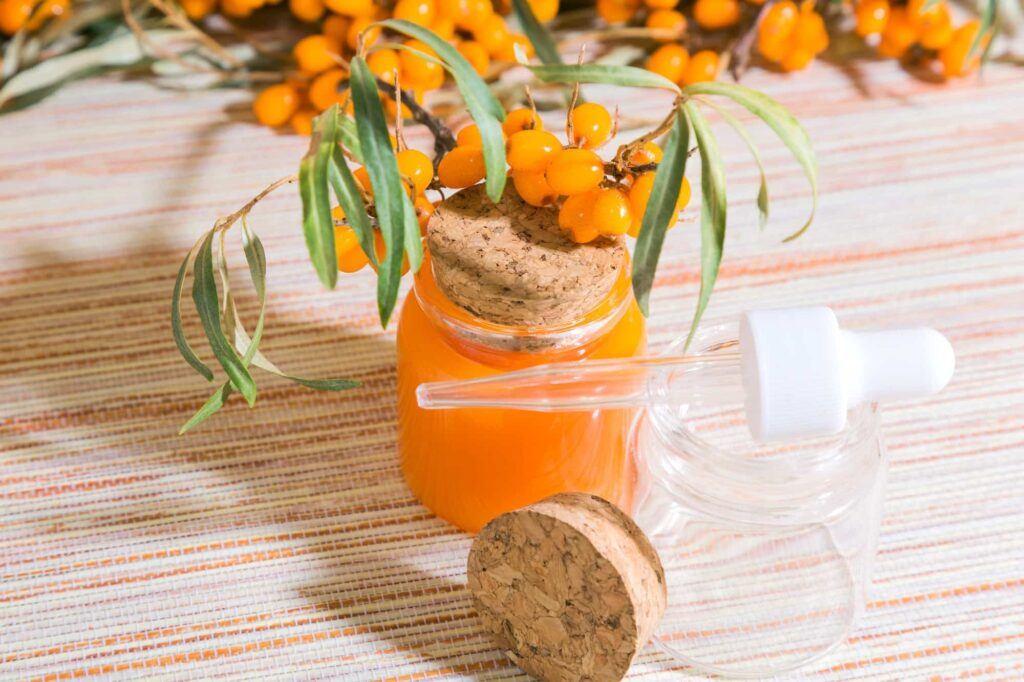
(767,547)
(471,465)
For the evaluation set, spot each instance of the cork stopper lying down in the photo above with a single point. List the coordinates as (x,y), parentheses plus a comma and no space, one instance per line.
(570,587)
(510,263)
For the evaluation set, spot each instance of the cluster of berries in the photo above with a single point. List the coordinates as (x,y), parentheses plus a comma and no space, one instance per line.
(16,15)
(476,28)
(920,23)
(791,36)
(545,172)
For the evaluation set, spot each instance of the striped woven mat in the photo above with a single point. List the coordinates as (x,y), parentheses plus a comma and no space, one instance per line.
(281,541)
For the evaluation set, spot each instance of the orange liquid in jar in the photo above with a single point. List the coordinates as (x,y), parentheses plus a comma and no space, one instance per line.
(470,465)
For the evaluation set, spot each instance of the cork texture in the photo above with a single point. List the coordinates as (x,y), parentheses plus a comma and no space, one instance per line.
(570,588)
(510,263)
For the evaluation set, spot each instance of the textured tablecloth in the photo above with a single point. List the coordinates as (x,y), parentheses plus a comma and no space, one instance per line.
(281,540)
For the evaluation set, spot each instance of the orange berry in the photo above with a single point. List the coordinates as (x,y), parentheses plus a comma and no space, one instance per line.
(796,59)
(661,4)
(574,171)
(302,121)
(617,11)
(640,193)
(46,10)
(492,33)
(467,14)
(347,250)
(544,10)
(317,53)
(716,14)
(476,55)
(953,55)
(362,176)
(530,150)
(521,119)
(383,64)
(773,50)
(469,136)
(507,52)
(667,23)
(417,167)
(934,25)
(323,91)
(417,71)
(276,104)
(871,16)
(419,12)
(899,34)
(684,194)
(612,214)
(591,125)
(669,61)
(239,9)
(380,249)
(533,188)
(336,27)
(703,66)
(577,212)
(443,27)
(424,209)
(14,14)
(305,10)
(810,33)
(198,9)
(778,22)
(584,234)
(360,26)
(649,153)
(462,167)
(352,8)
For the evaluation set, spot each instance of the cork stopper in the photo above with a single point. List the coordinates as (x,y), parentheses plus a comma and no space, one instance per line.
(510,263)
(570,587)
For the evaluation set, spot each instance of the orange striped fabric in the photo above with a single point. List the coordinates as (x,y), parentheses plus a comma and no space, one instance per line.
(281,540)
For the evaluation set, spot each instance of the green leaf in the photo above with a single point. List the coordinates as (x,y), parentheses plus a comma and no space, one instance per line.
(349,136)
(346,189)
(413,239)
(660,213)
(987,21)
(778,118)
(388,189)
(741,130)
(256,258)
(629,76)
(209,408)
(538,34)
(204,295)
(482,105)
(712,211)
(177,330)
(325,384)
(317,224)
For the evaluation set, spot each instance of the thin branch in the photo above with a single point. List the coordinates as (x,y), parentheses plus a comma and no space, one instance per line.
(227,221)
(743,50)
(444,139)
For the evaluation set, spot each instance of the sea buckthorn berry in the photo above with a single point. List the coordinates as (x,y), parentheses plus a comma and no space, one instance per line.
(648,153)
(380,249)
(14,14)
(383,64)
(577,212)
(302,121)
(591,125)
(669,61)
(349,253)
(303,10)
(467,14)
(574,171)
(667,23)
(934,24)
(469,136)
(462,167)
(419,12)
(238,9)
(352,8)
(617,11)
(198,9)
(492,34)
(661,4)
(417,167)
(530,150)
(899,34)
(612,213)
(584,234)
(779,21)
(953,55)
(521,119)
(443,27)
(315,54)
(476,55)
(796,59)
(533,188)
(507,53)
(323,91)
(810,33)
(871,16)
(716,14)
(640,193)
(336,27)
(684,194)
(703,66)
(46,10)
(362,176)
(360,26)
(276,104)
(544,10)
(417,71)
(424,209)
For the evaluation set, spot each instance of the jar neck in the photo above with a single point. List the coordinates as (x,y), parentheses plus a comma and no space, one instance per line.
(513,346)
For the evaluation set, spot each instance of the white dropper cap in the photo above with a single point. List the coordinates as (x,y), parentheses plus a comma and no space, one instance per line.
(801,372)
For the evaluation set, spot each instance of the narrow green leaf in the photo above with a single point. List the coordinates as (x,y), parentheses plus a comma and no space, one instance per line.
(204,295)
(987,21)
(346,189)
(177,329)
(317,224)
(628,76)
(712,212)
(741,130)
(413,239)
(538,34)
(661,212)
(325,384)
(388,189)
(256,257)
(349,135)
(778,118)
(482,105)
(209,408)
